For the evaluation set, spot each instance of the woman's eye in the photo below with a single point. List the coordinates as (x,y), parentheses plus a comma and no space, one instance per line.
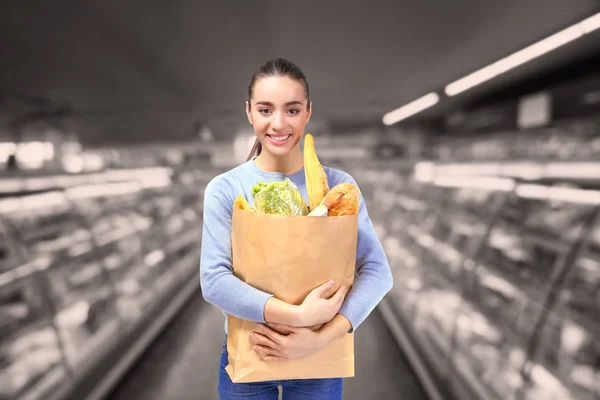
(267,111)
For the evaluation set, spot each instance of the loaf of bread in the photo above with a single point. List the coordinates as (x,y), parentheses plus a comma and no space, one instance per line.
(348,204)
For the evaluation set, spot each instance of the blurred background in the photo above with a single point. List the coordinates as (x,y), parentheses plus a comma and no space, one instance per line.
(472,128)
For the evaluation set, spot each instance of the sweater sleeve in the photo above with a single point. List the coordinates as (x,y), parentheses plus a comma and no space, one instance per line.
(374,278)
(218,284)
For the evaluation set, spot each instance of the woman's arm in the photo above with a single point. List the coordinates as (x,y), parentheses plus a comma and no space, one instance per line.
(334,329)
(223,289)
(278,310)
(374,278)
(218,284)
(315,309)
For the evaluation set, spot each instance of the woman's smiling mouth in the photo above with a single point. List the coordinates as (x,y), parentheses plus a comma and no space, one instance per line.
(279,139)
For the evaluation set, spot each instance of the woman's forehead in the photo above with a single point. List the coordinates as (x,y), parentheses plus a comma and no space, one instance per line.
(279,87)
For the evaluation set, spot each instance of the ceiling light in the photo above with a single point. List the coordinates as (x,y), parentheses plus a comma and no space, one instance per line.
(557,193)
(590,24)
(572,170)
(410,109)
(481,182)
(424,171)
(522,56)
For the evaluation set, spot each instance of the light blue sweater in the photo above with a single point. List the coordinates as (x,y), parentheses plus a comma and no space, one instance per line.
(221,288)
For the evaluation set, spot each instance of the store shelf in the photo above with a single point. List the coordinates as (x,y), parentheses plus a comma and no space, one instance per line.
(32,361)
(86,356)
(44,386)
(477,389)
(94,382)
(92,263)
(47,182)
(501,280)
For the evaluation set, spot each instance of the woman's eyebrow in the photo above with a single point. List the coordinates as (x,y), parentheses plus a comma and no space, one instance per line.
(289,103)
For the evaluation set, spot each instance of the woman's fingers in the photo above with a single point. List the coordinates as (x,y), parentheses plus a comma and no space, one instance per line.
(323,288)
(259,338)
(271,334)
(338,297)
(282,328)
(267,352)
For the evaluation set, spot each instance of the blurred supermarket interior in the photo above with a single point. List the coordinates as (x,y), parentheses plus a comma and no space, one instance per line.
(471,127)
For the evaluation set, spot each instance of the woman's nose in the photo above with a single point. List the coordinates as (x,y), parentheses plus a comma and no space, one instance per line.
(278,121)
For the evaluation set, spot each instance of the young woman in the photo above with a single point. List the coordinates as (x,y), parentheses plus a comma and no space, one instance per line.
(278,108)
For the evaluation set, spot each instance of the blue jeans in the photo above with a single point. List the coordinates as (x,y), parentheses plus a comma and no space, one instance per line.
(293,389)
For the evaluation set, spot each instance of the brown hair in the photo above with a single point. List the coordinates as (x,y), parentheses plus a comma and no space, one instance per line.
(274,68)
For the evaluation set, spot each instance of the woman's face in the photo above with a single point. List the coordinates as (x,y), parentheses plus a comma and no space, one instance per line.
(278,111)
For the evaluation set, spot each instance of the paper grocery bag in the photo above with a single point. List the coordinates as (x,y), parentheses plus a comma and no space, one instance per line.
(288,256)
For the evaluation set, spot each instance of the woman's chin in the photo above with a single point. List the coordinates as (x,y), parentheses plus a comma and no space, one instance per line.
(279,152)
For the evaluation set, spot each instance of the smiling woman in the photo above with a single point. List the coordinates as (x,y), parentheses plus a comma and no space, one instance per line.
(278,108)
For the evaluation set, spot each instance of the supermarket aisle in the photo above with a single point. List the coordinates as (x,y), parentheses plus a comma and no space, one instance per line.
(182,364)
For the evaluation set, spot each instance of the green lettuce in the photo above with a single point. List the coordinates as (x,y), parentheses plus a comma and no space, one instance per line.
(282,198)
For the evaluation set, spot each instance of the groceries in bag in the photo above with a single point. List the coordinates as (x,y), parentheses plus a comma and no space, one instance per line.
(284,198)
(279,198)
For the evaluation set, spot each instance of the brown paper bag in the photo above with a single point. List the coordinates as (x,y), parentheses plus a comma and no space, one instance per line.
(288,256)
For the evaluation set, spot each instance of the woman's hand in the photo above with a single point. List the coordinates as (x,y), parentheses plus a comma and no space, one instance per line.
(299,343)
(317,308)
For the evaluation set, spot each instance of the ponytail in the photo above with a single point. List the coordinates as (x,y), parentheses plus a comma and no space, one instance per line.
(257,148)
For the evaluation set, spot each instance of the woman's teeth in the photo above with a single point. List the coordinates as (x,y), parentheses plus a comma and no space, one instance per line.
(279,138)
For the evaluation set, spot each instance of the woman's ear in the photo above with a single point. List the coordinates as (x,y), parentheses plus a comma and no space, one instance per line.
(248,113)
(309,112)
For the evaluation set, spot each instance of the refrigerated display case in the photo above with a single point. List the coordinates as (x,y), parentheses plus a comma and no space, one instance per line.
(492,283)
(90,273)
(565,358)
(112,216)
(31,355)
